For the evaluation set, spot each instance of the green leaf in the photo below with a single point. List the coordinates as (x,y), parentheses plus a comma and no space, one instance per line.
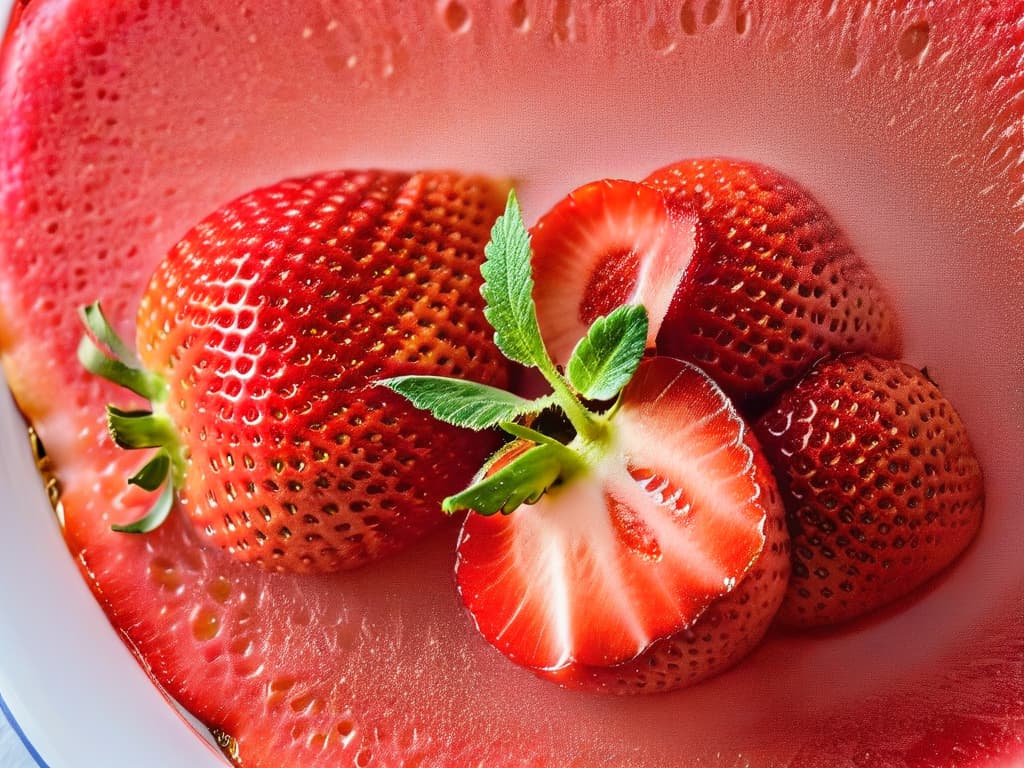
(154,473)
(521,481)
(140,429)
(607,357)
(93,318)
(508,289)
(464,403)
(157,514)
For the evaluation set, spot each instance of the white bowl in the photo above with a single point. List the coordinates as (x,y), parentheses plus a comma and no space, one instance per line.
(955,269)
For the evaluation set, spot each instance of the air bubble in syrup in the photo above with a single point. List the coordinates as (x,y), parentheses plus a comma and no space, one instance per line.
(456,17)
(519,15)
(914,41)
(688,19)
(660,39)
(711,11)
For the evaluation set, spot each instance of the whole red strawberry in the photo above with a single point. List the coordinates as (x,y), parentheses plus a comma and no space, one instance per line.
(768,284)
(881,485)
(260,337)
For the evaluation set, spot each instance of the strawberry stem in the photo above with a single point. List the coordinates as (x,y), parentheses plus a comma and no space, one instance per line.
(583,421)
(103,353)
(140,429)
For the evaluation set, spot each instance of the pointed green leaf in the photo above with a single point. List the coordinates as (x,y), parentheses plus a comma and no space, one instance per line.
(521,481)
(464,403)
(140,429)
(607,357)
(154,473)
(93,318)
(139,381)
(157,514)
(508,289)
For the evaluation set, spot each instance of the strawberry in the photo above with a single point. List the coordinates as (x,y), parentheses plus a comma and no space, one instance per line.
(728,629)
(770,284)
(880,481)
(260,336)
(648,517)
(606,244)
(385,693)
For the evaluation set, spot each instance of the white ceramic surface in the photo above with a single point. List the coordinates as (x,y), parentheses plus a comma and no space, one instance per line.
(69,682)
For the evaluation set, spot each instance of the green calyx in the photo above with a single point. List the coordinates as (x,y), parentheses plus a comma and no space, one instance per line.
(601,365)
(103,353)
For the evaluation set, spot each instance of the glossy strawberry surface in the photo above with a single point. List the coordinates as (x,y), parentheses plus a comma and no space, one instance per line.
(899,117)
(270,322)
(780,286)
(638,548)
(767,283)
(881,484)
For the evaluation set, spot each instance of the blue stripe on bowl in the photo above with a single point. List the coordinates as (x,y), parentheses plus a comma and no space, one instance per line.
(6,712)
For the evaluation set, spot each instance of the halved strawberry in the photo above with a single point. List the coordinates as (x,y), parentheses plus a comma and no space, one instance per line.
(260,336)
(637,547)
(606,244)
(881,484)
(764,285)
(638,522)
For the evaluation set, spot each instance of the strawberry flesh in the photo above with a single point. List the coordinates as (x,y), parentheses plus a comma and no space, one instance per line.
(881,485)
(606,244)
(728,630)
(666,522)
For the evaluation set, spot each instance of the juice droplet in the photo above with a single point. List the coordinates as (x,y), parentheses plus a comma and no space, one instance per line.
(163,572)
(913,41)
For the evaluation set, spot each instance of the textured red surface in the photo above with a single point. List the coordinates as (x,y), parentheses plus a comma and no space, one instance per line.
(881,484)
(270,321)
(660,528)
(778,287)
(901,117)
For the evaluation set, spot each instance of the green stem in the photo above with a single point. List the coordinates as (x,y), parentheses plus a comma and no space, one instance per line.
(140,429)
(572,462)
(583,421)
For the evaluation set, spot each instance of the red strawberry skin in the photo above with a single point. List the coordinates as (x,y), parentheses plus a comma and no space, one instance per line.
(393,697)
(651,542)
(270,321)
(779,286)
(881,484)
